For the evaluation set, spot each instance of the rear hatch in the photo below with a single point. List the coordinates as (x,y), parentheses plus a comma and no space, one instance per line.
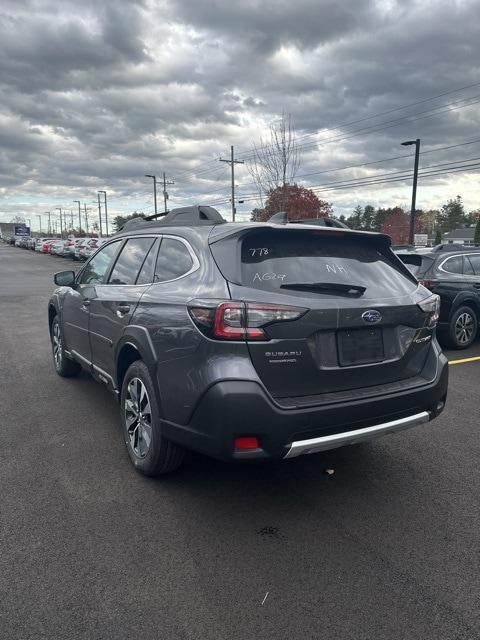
(359,319)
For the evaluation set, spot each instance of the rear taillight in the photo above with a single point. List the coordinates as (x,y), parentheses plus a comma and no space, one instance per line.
(240,320)
(431,306)
(429,284)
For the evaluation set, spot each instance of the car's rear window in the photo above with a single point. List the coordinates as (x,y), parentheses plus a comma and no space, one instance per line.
(270,259)
(416,263)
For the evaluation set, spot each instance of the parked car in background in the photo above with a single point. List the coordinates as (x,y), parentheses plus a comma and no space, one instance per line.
(90,247)
(69,247)
(249,341)
(453,273)
(47,245)
(39,242)
(78,246)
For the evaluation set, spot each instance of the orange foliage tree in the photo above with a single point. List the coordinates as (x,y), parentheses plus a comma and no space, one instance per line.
(298,202)
(397,226)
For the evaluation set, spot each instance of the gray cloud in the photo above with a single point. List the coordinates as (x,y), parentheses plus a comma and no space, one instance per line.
(94,96)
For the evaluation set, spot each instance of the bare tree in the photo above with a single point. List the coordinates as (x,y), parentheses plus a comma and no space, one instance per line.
(275,160)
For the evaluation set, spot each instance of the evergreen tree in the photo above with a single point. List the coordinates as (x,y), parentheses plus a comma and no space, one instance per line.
(452,214)
(476,237)
(355,220)
(380,216)
(256,214)
(438,235)
(368,217)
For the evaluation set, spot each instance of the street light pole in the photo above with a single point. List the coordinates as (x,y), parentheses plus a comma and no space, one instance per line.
(79,218)
(148,175)
(39,222)
(49,223)
(411,233)
(61,228)
(99,213)
(86,217)
(106,210)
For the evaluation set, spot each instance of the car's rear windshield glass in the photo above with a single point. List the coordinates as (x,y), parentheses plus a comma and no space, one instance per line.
(417,264)
(278,260)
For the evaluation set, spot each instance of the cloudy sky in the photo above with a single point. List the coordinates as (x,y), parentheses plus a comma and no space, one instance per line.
(95,95)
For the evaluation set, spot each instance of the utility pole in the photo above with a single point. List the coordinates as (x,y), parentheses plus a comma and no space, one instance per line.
(165,193)
(40,222)
(49,223)
(79,218)
(411,233)
(86,218)
(71,220)
(99,214)
(148,175)
(106,210)
(232,162)
(61,228)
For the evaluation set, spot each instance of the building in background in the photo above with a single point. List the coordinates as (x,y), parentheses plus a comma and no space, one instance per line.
(459,236)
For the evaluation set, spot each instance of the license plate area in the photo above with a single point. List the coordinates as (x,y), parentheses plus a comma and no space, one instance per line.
(360,346)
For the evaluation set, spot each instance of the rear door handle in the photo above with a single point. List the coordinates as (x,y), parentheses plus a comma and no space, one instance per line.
(122,309)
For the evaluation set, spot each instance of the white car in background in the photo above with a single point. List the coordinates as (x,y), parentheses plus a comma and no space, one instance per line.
(78,246)
(90,247)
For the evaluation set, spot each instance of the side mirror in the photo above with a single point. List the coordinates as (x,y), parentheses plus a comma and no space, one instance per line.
(64,278)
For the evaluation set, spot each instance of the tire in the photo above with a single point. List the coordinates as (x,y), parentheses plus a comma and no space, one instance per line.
(65,367)
(150,452)
(463,328)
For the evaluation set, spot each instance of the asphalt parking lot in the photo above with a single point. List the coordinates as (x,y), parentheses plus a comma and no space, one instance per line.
(385,548)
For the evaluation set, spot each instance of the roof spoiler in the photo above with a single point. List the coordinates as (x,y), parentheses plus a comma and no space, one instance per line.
(282,218)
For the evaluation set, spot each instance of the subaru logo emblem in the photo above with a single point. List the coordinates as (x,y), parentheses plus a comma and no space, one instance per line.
(372,316)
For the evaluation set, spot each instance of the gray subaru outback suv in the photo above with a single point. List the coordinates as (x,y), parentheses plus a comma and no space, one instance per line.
(248,341)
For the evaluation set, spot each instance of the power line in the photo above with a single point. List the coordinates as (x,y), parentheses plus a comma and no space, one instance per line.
(383,113)
(395,176)
(361,165)
(194,171)
(421,115)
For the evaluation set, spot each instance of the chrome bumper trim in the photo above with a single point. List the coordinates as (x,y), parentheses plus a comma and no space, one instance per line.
(335,440)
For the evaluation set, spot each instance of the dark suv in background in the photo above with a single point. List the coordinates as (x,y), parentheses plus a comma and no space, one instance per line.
(248,341)
(452,272)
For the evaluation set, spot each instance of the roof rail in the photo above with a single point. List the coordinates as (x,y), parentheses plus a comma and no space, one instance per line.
(183,216)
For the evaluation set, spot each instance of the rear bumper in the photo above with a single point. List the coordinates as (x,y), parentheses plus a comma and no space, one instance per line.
(323,443)
(234,408)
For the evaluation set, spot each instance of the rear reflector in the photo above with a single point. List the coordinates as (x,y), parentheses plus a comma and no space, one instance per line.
(246,443)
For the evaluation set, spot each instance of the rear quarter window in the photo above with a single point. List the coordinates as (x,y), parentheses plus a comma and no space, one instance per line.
(270,259)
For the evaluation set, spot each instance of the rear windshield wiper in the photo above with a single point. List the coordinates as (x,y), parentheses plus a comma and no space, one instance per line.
(349,289)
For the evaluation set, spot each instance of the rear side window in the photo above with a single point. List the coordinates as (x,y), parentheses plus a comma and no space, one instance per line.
(130,261)
(271,259)
(453,265)
(474,261)
(174,260)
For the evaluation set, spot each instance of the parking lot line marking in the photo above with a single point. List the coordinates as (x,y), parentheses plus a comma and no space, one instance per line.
(464,360)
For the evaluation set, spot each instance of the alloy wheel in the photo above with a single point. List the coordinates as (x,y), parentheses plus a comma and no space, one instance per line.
(57,344)
(138,417)
(464,328)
